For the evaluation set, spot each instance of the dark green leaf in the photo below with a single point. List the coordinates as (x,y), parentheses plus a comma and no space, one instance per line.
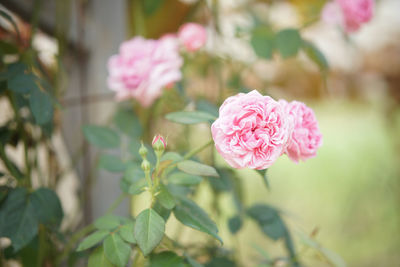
(17,68)
(234,224)
(192,261)
(98,259)
(18,219)
(165,198)
(195,168)
(208,107)
(23,83)
(112,163)
(315,55)
(92,239)
(149,230)
(163,212)
(133,179)
(127,232)
(224,184)
(190,117)
(41,106)
(117,250)
(48,207)
(269,220)
(182,178)
(262,41)
(7,48)
(188,213)
(221,262)
(107,222)
(101,137)
(166,259)
(288,42)
(151,6)
(128,123)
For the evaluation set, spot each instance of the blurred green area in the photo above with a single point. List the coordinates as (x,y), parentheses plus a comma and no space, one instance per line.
(349,193)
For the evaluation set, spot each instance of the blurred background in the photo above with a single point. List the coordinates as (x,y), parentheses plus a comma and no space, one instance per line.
(347,198)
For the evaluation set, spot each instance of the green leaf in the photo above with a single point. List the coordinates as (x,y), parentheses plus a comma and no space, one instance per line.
(127,232)
(190,117)
(149,230)
(315,55)
(188,213)
(262,41)
(195,168)
(221,262)
(182,178)
(112,163)
(48,207)
(117,250)
(107,222)
(128,123)
(98,259)
(166,259)
(23,83)
(234,224)
(225,183)
(264,176)
(208,107)
(137,187)
(133,180)
(18,219)
(269,220)
(192,261)
(151,6)
(163,212)
(92,239)
(165,198)
(175,157)
(41,106)
(288,42)
(101,137)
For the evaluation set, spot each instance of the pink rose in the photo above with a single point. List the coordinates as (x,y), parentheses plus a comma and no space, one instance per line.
(350,14)
(305,136)
(159,138)
(252,130)
(143,68)
(193,36)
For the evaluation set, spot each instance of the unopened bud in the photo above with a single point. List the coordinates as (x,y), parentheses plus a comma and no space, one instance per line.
(146,165)
(159,143)
(143,151)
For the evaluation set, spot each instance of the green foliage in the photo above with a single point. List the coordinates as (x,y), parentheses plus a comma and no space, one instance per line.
(165,198)
(98,259)
(49,211)
(22,83)
(127,122)
(93,239)
(182,178)
(151,6)
(166,259)
(288,42)
(235,224)
(101,137)
(112,163)
(262,41)
(127,232)
(117,250)
(41,105)
(149,230)
(108,222)
(190,117)
(315,55)
(190,214)
(195,168)
(264,177)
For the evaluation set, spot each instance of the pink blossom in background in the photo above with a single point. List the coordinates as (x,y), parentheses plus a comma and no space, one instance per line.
(193,36)
(143,68)
(252,130)
(305,138)
(349,14)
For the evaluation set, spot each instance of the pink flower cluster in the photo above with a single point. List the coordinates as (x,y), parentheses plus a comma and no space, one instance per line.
(144,67)
(349,14)
(254,130)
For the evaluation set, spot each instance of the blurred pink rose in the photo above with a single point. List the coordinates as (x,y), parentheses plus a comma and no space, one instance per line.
(305,136)
(193,36)
(252,130)
(143,67)
(350,14)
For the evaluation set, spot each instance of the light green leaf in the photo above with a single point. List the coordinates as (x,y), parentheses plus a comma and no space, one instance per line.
(127,232)
(182,178)
(165,198)
(112,163)
(107,222)
(98,259)
(195,168)
(23,83)
(137,187)
(92,239)
(128,123)
(48,207)
(101,137)
(41,106)
(262,41)
(190,117)
(149,230)
(117,250)
(315,55)
(166,259)
(18,219)
(175,157)
(188,213)
(288,42)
